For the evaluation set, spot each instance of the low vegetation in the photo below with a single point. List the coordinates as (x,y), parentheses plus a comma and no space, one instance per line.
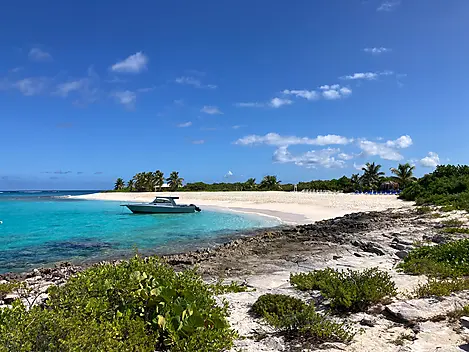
(456,230)
(458,313)
(347,290)
(139,305)
(447,186)
(453,223)
(444,260)
(297,320)
(436,287)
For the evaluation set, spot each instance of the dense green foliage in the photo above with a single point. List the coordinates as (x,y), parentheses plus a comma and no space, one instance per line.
(448,185)
(139,305)
(446,260)
(456,230)
(435,287)
(347,290)
(296,319)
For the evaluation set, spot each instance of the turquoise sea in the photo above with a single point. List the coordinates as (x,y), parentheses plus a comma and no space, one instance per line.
(39,228)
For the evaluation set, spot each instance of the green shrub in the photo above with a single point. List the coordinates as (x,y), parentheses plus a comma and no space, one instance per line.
(434,287)
(446,260)
(424,210)
(220,288)
(347,290)
(455,230)
(139,305)
(453,223)
(458,313)
(298,320)
(448,208)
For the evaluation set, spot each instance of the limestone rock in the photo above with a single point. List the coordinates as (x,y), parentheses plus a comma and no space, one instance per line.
(402,254)
(464,322)
(424,309)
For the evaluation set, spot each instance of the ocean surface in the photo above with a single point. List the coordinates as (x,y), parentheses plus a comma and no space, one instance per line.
(40,228)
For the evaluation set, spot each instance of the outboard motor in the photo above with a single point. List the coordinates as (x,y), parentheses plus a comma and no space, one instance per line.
(196,207)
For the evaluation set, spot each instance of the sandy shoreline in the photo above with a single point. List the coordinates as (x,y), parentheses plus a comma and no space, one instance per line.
(290,208)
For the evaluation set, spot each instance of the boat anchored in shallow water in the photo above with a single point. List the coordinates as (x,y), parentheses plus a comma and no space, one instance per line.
(162,205)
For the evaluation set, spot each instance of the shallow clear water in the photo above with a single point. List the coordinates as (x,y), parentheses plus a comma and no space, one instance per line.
(39,229)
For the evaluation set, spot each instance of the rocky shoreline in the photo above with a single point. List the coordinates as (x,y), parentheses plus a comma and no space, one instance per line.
(265,260)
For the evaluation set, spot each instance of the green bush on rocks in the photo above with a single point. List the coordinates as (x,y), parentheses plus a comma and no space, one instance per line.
(444,260)
(137,305)
(298,320)
(349,290)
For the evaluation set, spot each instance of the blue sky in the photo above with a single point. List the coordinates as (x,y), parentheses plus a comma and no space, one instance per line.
(223,90)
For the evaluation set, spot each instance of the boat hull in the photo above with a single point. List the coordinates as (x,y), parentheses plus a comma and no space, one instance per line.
(151,209)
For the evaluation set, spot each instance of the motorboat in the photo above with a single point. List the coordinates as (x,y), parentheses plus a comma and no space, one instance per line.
(162,205)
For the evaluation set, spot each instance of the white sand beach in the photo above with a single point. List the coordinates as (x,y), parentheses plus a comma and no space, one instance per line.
(289,207)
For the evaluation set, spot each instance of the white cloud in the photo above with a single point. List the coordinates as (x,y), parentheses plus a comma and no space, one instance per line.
(185,124)
(358,167)
(310,159)
(37,54)
(401,142)
(306,94)
(135,63)
(64,88)
(228,174)
(376,51)
(278,140)
(344,156)
(211,110)
(388,5)
(236,127)
(192,81)
(250,105)
(199,141)
(126,98)
(367,75)
(32,86)
(16,69)
(362,75)
(278,102)
(386,150)
(432,160)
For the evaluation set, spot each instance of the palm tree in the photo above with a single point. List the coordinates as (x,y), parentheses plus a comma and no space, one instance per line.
(139,182)
(119,184)
(356,181)
(250,184)
(270,183)
(130,185)
(371,175)
(174,181)
(404,174)
(158,177)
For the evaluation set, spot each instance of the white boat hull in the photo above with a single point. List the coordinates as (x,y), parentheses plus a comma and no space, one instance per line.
(160,209)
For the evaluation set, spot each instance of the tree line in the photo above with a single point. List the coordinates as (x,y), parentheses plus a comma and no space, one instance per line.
(372,179)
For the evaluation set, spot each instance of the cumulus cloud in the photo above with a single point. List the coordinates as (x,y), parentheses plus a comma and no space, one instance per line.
(278,140)
(64,89)
(211,110)
(432,160)
(310,159)
(376,51)
(278,102)
(367,75)
(345,156)
(228,174)
(185,124)
(306,94)
(135,63)
(32,86)
(36,54)
(126,98)
(387,150)
(388,6)
(195,82)
(328,92)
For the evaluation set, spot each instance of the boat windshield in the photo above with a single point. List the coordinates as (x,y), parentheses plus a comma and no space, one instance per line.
(162,200)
